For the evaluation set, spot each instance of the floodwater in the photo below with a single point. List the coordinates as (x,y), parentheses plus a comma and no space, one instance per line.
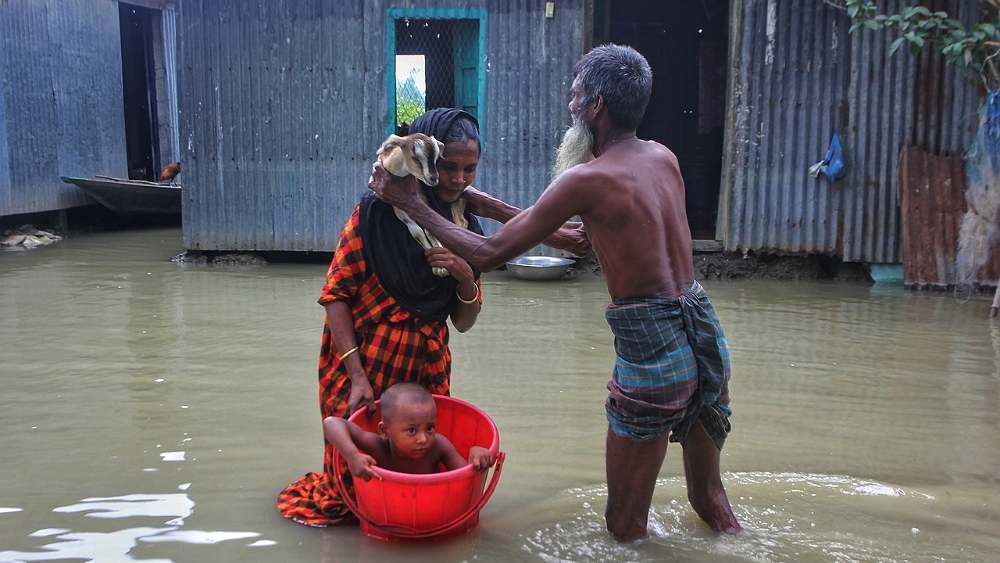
(151,411)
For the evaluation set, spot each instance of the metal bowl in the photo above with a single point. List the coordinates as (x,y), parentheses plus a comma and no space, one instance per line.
(538,267)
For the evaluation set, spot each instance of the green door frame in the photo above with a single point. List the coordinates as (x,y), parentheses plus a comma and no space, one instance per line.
(393,14)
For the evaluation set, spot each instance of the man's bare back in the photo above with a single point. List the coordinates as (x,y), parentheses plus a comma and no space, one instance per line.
(637,222)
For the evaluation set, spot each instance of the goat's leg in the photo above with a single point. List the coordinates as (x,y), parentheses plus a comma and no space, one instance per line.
(458,213)
(435,243)
(423,238)
(416,232)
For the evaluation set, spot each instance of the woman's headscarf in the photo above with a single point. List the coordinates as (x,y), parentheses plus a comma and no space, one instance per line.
(389,249)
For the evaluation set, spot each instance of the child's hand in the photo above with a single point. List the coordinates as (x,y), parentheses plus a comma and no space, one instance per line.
(362,465)
(480,458)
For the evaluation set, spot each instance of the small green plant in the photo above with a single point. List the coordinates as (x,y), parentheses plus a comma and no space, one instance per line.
(410,102)
(975,48)
(408,110)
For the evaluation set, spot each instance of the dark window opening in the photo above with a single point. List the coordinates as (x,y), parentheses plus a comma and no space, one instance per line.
(139,91)
(686,44)
(437,65)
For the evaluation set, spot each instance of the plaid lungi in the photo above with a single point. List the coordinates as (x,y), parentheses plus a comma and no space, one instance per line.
(672,367)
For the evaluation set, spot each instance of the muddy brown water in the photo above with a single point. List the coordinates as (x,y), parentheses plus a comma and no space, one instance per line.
(151,411)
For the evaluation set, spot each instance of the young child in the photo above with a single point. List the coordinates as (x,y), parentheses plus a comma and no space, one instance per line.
(406,441)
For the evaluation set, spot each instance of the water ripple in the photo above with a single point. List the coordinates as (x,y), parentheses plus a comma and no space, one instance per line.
(786,517)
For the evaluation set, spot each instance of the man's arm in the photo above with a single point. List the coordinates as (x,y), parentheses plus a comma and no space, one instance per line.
(570,237)
(564,198)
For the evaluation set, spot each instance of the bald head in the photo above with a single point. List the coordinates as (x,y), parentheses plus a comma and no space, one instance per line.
(404,395)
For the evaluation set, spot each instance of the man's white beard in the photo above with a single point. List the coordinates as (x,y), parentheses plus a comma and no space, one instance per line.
(576,148)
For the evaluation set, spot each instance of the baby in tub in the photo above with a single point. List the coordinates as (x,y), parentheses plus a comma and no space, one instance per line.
(406,441)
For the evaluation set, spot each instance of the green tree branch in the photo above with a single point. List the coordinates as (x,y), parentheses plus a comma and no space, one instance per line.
(974,48)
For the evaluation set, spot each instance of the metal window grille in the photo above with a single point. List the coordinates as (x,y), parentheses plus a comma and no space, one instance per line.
(436,66)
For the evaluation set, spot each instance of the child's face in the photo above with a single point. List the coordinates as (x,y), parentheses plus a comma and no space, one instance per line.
(411,429)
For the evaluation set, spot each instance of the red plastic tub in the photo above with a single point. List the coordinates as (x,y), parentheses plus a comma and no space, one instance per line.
(407,506)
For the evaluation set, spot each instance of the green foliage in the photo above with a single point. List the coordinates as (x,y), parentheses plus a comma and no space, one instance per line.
(410,102)
(408,110)
(975,48)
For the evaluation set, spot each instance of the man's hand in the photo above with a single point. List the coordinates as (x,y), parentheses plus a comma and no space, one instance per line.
(363,465)
(480,458)
(397,192)
(444,258)
(361,395)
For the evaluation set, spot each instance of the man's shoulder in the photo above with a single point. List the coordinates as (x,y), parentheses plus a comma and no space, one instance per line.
(583,181)
(603,169)
(585,172)
(658,149)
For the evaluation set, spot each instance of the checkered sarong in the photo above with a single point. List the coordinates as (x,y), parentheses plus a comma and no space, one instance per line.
(672,367)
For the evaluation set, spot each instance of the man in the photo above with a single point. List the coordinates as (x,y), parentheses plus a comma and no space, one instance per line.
(672,367)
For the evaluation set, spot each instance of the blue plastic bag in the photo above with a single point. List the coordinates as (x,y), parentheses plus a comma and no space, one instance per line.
(832,166)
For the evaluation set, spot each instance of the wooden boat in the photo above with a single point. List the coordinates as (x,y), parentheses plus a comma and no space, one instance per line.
(131,197)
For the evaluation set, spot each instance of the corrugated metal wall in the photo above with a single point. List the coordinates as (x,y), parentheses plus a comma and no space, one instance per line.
(796,77)
(932,199)
(60,100)
(168,22)
(283,106)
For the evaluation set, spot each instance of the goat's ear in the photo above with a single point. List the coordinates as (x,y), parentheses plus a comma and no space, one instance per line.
(418,148)
(440,146)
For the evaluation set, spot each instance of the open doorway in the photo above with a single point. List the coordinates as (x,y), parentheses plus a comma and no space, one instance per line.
(686,44)
(138,26)
(435,64)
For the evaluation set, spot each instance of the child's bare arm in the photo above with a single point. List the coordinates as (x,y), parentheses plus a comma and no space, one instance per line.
(449,455)
(350,440)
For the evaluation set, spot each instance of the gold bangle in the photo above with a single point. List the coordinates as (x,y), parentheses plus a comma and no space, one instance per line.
(348,353)
(471,301)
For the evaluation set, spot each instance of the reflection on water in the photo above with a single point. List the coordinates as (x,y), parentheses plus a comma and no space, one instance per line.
(129,506)
(198,537)
(151,412)
(118,545)
(45,532)
(110,547)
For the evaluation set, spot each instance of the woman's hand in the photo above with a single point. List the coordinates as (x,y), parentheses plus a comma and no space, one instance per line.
(457,267)
(476,201)
(571,239)
(464,315)
(363,465)
(361,395)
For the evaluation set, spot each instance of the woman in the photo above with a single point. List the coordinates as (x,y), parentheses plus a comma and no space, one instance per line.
(386,312)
